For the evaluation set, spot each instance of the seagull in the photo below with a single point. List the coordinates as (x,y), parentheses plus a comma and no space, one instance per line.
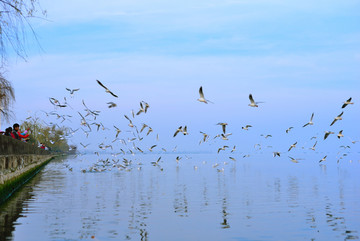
(84,145)
(72,91)
(252,102)
(327,133)
(202,98)
(310,122)
(146,106)
(348,102)
(288,129)
(337,118)
(178,130)
(340,134)
(106,89)
(157,162)
(185,131)
(276,153)
(232,158)
(149,131)
(150,149)
(223,126)
(292,146)
(117,131)
(143,127)
(141,109)
(234,148)
(206,136)
(178,158)
(130,124)
(313,147)
(324,159)
(224,137)
(222,149)
(293,159)
(84,122)
(246,127)
(111,104)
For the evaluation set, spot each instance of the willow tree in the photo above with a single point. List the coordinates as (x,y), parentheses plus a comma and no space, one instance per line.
(7,96)
(15,18)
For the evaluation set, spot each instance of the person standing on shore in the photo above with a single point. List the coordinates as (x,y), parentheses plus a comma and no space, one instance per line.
(17,133)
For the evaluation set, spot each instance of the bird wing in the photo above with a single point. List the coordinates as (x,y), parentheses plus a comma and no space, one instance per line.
(341,114)
(312,116)
(315,144)
(201,93)
(101,84)
(251,99)
(113,94)
(332,123)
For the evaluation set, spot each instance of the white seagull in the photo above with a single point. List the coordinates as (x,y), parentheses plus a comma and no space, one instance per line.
(348,102)
(252,102)
(310,122)
(106,89)
(337,118)
(202,97)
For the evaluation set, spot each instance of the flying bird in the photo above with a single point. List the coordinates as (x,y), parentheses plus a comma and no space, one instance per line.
(223,126)
(184,131)
(252,102)
(202,97)
(224,137)
(288,129)
(310,122)
(130,122)
(313,147)
(337,118)
(340,134)
(117,131)
(276,153)
(178,130)
(111,104)
(222,149)
(323,159)
(246,127)
(327,133)
(293,160)
(106,89)
(292,146)
(84,145)
(72,91)
(348,102)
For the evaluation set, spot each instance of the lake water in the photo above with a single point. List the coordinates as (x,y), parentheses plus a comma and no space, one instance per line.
(200,197)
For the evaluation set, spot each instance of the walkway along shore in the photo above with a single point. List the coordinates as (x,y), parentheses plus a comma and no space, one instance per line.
(19,162)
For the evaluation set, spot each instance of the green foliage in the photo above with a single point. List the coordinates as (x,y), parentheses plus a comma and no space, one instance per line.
(53,136)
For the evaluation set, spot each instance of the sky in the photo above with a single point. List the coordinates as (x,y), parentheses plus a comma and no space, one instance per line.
(296,57)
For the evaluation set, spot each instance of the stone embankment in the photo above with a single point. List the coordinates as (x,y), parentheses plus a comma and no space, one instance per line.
(19,162)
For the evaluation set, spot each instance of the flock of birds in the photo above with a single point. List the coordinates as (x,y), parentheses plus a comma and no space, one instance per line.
(88,119)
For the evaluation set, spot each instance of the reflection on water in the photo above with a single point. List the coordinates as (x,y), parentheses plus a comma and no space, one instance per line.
(250,199)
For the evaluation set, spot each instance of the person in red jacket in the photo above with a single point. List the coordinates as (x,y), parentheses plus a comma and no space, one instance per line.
(17,134)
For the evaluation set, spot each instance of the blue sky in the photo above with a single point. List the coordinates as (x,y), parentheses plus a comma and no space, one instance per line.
(297,57)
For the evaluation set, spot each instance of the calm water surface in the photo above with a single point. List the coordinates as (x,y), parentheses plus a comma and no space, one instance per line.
(199,198)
